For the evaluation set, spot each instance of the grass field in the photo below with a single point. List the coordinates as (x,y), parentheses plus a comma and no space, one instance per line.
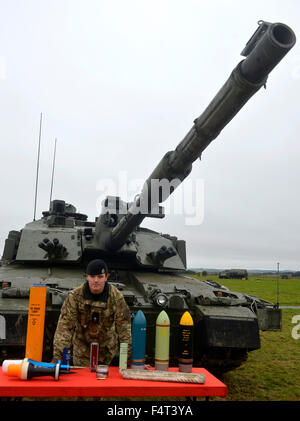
(265,287)
(272,373)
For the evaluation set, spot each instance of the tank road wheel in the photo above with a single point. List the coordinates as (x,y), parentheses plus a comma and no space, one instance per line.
(219,361)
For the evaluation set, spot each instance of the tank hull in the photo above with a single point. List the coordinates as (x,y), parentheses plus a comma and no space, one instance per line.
(226,328)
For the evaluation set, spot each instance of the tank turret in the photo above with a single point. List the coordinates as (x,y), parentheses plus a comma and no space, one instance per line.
(148,267)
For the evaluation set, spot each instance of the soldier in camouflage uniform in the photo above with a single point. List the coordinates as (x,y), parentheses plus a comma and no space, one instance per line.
(93,312)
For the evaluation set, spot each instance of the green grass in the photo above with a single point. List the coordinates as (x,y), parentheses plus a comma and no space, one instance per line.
(265,288)
(271,372)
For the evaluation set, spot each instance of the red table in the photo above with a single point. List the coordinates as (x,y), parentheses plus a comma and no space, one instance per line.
(84,383)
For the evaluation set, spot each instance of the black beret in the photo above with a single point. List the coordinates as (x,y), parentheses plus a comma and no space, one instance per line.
(96,267)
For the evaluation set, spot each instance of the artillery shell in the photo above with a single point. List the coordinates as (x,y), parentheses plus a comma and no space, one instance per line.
(138,341)
(162,341)
(186,332)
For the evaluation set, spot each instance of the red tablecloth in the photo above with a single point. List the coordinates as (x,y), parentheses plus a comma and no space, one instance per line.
(84,383)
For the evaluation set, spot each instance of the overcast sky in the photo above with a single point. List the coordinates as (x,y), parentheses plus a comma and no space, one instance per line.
(119,84)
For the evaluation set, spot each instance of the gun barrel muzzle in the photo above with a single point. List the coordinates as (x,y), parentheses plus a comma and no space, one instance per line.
(276,42)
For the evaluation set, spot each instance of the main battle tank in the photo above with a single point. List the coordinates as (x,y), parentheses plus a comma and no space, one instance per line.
(149,268)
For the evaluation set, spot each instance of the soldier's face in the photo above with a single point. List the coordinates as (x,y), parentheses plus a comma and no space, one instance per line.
(97,282)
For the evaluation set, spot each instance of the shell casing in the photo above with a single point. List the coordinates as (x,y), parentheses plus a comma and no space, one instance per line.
(138,341)
(123,356)
(186,339)
(162,341)
(94,351)
(169,376)
(36,322)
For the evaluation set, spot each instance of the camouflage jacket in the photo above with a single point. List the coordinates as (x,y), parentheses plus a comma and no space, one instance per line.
(77,327)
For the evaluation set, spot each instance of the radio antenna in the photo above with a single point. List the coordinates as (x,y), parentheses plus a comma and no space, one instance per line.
(37,168)
(54,155)
(278,274)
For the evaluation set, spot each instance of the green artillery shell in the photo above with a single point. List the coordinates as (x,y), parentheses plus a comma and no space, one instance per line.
(162,341)
(186,330)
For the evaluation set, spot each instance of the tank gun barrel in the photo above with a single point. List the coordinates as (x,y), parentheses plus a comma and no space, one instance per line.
(265,49)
